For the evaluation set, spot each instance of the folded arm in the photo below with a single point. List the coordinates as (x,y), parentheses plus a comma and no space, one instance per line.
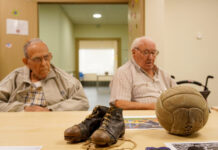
(76,101)
(11,107)
(129,105)
(7,85)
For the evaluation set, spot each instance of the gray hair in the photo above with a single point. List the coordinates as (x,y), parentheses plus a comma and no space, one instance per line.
(137,41)
(35,40)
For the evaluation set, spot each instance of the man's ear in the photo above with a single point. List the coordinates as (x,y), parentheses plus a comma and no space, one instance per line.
(51,55)
(133,51)
(25,61)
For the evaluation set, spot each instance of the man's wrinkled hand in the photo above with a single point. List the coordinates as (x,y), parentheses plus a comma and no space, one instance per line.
(35,108)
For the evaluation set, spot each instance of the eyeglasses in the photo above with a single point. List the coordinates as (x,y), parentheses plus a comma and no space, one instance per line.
(39,59)
(147,52)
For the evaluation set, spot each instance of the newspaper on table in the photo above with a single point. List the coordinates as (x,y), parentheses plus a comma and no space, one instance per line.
(210,145)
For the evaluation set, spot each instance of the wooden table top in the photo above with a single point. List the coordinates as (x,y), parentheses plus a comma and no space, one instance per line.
(46,129)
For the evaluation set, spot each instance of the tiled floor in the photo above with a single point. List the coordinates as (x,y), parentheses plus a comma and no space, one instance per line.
(97,96)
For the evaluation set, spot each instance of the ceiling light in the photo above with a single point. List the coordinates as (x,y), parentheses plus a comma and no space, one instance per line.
(97,15)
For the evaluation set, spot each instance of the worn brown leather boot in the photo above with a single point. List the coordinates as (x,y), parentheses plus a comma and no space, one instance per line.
(111,128)
(83,130)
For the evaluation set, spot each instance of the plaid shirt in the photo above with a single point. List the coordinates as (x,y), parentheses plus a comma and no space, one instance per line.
(35,96)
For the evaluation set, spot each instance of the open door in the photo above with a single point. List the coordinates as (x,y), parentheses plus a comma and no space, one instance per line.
(11,45)
(136,20)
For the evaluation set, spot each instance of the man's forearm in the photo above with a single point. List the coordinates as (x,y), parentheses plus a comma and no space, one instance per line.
(70,105)
(35,108)
(11,107)
(127,105)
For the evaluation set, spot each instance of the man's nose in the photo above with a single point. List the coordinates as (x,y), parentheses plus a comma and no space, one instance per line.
(150,56)
(43,61)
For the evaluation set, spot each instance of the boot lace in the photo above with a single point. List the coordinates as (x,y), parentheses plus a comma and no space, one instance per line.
(106,119)
(88,145)
(93,114)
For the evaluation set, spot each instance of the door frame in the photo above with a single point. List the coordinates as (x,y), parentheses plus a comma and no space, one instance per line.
(75,2)
(132,31)
(77,40)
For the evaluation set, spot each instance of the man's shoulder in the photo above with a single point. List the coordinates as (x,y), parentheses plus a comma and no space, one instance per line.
(16,74)
(127,67)
(163,73)
(125,71)
(167,78)
(18,71)
(63,74)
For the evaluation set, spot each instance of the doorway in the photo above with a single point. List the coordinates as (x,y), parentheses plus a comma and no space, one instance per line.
(63,33)
(97,59)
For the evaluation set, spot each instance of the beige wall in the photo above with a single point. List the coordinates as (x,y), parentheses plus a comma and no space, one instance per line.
(175,25)
(56,29)
(154,23)
(105,31)
(11,58)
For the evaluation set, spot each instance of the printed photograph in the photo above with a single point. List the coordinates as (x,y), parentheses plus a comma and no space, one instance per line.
(141,122)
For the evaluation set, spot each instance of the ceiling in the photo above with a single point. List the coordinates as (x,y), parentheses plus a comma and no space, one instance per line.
(111,13)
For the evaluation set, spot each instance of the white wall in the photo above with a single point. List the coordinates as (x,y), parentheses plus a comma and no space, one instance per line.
(154,25)
(105,31)
(175,24)
(56,30)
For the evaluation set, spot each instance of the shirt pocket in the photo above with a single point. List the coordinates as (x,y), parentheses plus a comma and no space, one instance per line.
(53,95)
(141,90)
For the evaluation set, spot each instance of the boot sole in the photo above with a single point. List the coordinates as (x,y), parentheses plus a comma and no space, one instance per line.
(73,139)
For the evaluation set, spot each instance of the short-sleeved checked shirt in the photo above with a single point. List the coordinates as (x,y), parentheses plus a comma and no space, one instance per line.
(131,83)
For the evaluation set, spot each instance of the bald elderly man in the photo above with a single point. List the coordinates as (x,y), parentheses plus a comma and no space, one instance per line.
(138,83)
(39,85)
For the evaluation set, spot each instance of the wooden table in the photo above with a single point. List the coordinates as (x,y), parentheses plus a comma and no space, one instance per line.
(47,128)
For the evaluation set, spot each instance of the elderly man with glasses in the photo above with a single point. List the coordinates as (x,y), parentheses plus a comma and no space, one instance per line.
(138,83)
(39,85)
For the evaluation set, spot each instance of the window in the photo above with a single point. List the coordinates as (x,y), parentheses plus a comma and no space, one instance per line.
(96,61)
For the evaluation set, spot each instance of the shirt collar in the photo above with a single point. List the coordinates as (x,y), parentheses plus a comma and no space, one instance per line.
(51,74)
(135,64)
(26,77)
(155,69)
